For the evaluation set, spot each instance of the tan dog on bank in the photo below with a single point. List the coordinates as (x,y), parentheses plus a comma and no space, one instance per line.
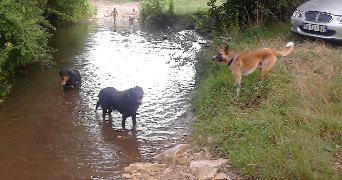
(245,64)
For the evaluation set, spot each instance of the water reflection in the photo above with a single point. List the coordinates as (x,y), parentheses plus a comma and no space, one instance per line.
(76,142)
(125,139)
(161,66)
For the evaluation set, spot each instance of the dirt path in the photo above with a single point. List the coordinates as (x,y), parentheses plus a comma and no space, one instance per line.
(126,10)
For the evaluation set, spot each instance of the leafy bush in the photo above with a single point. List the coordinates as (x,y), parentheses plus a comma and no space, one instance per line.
(235,13)
(152,15)
(65,11)
(175,14)
(22,35)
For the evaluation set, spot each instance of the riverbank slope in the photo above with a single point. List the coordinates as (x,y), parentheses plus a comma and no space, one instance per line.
(287,127)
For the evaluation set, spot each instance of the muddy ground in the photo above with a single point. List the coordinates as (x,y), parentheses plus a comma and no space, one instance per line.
(125,10)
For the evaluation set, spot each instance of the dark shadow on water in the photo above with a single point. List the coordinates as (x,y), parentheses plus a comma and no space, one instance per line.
(123,138)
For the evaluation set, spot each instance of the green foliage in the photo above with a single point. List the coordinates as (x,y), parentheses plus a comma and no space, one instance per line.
(171,11)
(65,11)
(156,13)
(152,15)
(234,13)
(22,36)
(289,127)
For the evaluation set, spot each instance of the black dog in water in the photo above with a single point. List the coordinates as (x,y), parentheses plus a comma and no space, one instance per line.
(69,78)
(126,102)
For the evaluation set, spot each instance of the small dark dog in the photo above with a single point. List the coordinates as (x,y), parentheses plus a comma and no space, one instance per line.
(70,77)
(126,102)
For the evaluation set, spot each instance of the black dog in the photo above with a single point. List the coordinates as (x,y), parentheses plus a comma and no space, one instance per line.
(70,77)
(126,102)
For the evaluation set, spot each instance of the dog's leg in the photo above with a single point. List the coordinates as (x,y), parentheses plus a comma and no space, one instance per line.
(110,114)
(123,123)
(263,75)
(238,89)
(134,120)
(264,71)
(104,112)
(238,83)
(267,67)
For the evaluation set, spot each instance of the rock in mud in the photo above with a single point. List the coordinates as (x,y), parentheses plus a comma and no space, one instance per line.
(206,168)
(179,163)
(144,168)
(222,176)
(171,156)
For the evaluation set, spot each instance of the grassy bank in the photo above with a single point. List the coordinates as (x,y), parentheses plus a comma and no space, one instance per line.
(290,126)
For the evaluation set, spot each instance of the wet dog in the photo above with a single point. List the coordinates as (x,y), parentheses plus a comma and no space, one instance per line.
(70,77)
(245,64)
(126,102)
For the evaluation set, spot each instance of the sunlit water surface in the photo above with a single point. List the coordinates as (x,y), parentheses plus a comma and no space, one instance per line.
(50,133)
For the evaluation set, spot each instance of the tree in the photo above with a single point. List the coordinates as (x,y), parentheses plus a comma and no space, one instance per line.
(65,11)
(23,34)
(251,12)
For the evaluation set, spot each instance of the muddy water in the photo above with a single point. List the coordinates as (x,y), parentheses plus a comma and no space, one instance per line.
(50,133)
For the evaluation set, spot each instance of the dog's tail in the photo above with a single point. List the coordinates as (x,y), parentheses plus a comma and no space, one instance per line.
(286,50)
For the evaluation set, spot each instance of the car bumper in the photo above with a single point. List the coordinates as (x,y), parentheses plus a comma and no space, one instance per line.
(334,29)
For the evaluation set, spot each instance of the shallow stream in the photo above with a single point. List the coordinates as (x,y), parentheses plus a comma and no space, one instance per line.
(50,133)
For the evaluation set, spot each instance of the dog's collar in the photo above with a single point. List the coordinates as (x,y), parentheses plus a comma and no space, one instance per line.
(231,60)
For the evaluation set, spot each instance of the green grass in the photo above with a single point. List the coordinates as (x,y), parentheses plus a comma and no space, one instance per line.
(182,7)
(289,127)
(189,6)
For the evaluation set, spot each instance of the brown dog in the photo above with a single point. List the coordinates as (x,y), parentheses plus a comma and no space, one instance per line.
(245,64)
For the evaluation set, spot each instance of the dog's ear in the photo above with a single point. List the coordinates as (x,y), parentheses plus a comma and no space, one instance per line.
(226,49)
(60,73)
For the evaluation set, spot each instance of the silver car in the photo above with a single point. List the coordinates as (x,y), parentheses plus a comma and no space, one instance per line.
(319,19)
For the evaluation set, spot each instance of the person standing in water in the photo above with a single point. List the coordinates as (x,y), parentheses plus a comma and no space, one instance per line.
(115,14)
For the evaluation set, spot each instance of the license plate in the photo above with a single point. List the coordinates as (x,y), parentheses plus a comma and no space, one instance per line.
(315,27)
